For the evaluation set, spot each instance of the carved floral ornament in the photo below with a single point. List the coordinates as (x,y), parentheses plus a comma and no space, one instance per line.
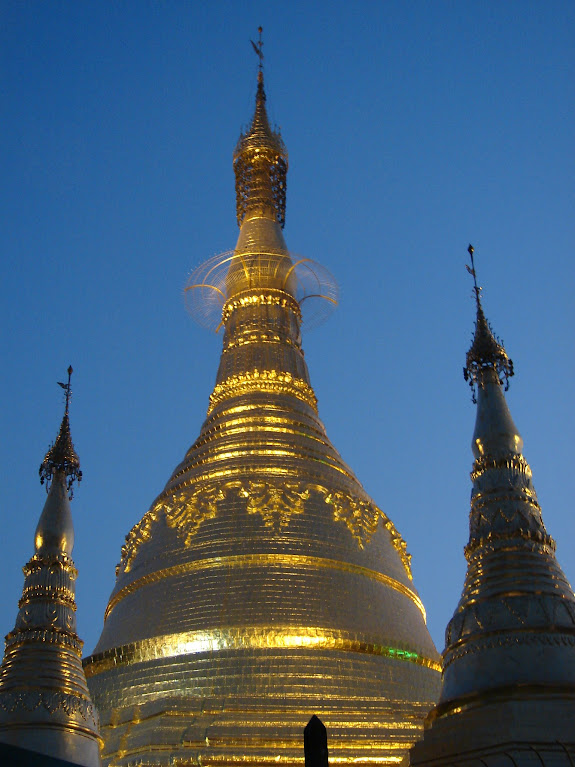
(50,700)
(276,501)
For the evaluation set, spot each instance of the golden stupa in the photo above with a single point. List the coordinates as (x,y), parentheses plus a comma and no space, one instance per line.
(263,585)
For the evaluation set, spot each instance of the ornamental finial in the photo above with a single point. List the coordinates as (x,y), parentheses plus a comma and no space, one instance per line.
(258,49)
(61,457)
(486,351)
(260,161)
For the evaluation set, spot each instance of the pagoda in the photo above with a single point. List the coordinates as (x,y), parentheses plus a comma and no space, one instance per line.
(263,585)
(508,692)
(45,706)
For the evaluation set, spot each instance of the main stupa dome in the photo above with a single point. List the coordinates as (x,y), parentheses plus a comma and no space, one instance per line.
(263,585)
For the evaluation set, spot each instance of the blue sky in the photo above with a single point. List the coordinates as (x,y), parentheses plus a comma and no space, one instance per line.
(413,129)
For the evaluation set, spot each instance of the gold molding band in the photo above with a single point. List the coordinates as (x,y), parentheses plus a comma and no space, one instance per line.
(264,560)
(509,462)
(261,637)
(268,296)
(269,381)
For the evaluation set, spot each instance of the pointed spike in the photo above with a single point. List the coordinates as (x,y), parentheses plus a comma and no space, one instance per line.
(62,457)
(260,161)
(485,352)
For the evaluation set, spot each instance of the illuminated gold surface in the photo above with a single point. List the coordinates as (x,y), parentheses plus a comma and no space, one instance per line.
(268,381)
(269,298)
(260,165)
(186,509)
(261,637)
(263,560)
(263,585)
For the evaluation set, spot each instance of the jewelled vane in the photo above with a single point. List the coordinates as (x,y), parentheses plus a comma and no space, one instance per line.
(61,456)
(486,350)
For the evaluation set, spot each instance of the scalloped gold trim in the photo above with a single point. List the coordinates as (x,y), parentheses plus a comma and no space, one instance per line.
(277,501)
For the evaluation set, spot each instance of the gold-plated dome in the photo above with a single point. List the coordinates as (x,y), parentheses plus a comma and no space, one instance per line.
(263,585)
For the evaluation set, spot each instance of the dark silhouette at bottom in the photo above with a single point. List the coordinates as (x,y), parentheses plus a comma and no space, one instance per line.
(315,743)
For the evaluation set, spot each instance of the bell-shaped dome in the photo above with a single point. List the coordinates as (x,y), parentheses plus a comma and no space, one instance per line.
(263,585)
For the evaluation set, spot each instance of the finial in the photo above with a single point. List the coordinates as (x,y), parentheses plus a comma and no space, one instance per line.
(61,457)
(471,270)
(486,351)
(259,52)
(260,160)
(67,388)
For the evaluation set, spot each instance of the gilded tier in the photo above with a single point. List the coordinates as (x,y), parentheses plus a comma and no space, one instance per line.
(263,585)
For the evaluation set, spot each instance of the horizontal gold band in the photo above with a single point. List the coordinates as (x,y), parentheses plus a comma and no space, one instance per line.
(286,753)
(261,637)
(240,472)
(226,752)
(264,560)
(269,381)
(268,296)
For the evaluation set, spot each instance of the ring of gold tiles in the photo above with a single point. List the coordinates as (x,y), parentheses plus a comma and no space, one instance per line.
(61,595)
(264,560)
(38,562)
(271,297)
(524,495)
(257,338)
(511,463)
(476,643)
(49,635)
(248,638)
(493,540)
(269,381)
(273,424)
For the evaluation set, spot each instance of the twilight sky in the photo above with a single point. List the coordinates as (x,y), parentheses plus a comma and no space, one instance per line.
(413,128)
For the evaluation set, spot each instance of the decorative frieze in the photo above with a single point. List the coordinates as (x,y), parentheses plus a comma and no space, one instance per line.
(51,701)
(185,511)
(276,501)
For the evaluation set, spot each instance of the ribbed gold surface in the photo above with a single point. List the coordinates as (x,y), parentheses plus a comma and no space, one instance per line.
(263,585)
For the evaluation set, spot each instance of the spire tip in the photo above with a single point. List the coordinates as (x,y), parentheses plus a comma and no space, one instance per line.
(259,52)
(260,160)
(62,457)
(486,350)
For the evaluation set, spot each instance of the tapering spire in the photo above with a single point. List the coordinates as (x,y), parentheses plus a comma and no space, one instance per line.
(486,351)
(260,162)
(260,270)
(514,583)
(510,645)
(45,705)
